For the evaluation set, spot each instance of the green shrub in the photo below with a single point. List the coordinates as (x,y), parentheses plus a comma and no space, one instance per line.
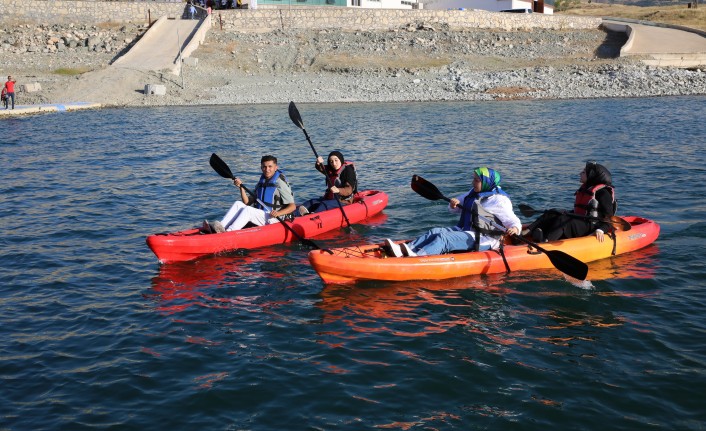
(71,71)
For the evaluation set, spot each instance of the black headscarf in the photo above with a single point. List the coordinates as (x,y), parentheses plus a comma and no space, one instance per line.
(597,174)
(337,154)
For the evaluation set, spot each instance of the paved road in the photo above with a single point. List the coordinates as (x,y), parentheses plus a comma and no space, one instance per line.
(661,46)
(658,40)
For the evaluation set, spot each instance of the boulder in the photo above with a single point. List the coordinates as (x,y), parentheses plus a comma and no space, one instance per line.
(155,90)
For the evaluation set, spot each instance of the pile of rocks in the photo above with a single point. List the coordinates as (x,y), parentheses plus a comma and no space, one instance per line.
(413,63)
(29,39)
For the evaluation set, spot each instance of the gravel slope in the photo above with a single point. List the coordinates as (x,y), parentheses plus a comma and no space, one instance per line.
(420,63)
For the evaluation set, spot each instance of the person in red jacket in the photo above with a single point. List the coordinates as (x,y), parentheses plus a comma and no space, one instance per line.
(10,91)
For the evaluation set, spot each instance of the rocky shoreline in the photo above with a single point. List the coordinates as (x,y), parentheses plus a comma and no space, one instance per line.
(415,63)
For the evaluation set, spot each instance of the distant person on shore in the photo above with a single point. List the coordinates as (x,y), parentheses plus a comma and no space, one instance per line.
(253,4)
(3,97)
(341,184)
(272,190)
(595,198)
(9,89)
(192,11)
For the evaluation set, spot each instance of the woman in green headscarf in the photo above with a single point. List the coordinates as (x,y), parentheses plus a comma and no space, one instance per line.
(486,201)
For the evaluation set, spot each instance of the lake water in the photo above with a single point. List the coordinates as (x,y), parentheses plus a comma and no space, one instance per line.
(98,335)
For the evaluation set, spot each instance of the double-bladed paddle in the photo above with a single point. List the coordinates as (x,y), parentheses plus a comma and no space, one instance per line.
(223,170)
(616,221)
(562,261)
(297,120)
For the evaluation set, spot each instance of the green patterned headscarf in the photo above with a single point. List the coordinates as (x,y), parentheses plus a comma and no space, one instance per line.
(489,178)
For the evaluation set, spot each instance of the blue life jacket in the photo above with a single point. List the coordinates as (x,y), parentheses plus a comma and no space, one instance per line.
(469,212)
(265,190)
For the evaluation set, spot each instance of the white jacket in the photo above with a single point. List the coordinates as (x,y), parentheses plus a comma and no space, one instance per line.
(501,207)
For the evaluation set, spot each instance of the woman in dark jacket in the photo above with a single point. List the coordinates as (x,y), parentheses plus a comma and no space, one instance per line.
(595,200)
(341,184)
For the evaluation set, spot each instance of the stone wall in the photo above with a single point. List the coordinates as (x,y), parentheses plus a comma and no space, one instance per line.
(86,12)
(382,19)
(260,20)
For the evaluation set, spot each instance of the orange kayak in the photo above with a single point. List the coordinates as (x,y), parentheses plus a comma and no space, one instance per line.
(371,262)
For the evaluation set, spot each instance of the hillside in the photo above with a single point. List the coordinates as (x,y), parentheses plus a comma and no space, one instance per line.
(675,13)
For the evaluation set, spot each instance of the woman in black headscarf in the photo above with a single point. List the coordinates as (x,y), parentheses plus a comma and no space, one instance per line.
(595,200)
(341,184)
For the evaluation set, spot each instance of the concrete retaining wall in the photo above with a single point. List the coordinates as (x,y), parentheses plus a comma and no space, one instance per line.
(261,20)
(86,12)
(383,19)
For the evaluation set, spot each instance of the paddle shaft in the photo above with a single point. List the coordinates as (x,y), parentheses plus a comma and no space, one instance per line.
(223,170)
(296,118)
(561,261)
(284,223)
(492,222)
(623,224)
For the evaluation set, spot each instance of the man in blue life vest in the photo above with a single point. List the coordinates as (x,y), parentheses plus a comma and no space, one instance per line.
(273,200)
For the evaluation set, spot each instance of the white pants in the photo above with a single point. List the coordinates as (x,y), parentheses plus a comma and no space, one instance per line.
(240,214)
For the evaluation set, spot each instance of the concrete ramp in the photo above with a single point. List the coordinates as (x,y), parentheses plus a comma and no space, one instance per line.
(159,48)
(659,45)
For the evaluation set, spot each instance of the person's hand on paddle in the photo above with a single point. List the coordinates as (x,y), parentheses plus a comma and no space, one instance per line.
(237,182)
(335,190)
(453,202)
(600,236)
(513,231)
(320,161)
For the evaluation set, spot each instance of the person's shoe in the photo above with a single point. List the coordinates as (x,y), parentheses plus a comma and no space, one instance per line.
(407,250)
(303,210)
(538,235)
(218,227)
(394,248)
(206,227)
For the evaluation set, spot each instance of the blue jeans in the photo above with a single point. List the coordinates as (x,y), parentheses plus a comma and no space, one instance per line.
(441,240)
(7,101)
(319,205)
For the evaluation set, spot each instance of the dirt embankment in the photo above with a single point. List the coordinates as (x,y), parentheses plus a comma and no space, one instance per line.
(419,62)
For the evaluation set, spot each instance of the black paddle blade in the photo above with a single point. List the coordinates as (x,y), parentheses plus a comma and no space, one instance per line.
(620,222)
(220,166)
(567,264)
(295,116)
(527,210)
(426,189)
(564,262)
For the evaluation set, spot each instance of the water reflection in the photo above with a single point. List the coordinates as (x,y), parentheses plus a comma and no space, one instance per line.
(639,264)
(488,306)
(183,285)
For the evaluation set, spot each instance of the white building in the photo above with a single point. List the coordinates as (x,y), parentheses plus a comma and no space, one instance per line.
(363,4)
(538,6)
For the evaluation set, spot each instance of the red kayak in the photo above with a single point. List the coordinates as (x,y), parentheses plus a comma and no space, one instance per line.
(191,244)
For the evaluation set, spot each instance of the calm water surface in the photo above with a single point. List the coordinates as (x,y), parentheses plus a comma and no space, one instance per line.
(97,335)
